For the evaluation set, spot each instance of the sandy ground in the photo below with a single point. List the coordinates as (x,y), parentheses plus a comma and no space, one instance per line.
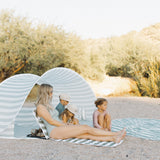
(131,149)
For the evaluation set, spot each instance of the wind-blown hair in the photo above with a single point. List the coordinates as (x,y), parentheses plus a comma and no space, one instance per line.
(44,95)
(68,117)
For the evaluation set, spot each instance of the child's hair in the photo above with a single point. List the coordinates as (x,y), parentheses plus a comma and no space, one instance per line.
(66,112)
(100,101)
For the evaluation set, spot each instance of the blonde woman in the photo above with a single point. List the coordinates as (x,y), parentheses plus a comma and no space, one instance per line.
(59,130)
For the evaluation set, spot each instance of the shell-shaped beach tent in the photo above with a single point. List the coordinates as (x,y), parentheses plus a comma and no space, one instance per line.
(14,91)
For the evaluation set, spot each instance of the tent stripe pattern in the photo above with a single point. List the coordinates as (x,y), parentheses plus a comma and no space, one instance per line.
(14,91)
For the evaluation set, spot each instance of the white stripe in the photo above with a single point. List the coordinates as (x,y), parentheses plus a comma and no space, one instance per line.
(15,89)
(11,99)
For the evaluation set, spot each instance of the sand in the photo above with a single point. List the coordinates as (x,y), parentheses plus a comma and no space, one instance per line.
(131,149)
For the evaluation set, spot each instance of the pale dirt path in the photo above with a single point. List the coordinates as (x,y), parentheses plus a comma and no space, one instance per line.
(112,86)
(131,149)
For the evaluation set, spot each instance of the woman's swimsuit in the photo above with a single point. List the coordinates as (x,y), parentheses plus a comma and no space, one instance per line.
(54,113)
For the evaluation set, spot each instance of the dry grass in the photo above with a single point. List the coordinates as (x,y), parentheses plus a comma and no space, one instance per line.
(33,94)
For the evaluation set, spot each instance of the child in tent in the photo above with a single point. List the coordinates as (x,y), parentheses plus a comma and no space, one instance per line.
(68,115)
(101,117)
(64,100)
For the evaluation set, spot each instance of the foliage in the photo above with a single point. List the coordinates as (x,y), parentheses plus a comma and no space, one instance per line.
(149,83)
(15,44)
(28,48)
(132,56)
(24,48)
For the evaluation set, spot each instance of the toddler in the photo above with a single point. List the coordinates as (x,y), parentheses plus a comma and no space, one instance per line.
(101,117)
(68,115)
(64,100)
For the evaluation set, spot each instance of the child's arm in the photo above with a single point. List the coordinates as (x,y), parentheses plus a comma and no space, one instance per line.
(95,120)
(64,118)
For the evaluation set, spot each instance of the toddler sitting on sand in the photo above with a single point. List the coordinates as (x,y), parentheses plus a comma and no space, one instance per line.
(101,117)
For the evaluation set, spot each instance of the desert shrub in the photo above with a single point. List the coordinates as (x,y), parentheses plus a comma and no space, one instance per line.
(132,56)
(148,83)
(28,48)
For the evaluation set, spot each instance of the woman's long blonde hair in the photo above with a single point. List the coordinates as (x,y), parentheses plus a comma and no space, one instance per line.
(44,95)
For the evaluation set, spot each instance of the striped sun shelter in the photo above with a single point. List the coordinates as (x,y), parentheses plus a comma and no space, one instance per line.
(14,117)
(14,91)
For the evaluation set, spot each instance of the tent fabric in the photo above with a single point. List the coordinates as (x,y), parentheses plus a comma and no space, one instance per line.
(14,91)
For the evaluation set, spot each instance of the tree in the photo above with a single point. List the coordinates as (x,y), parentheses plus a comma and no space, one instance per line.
(15,43)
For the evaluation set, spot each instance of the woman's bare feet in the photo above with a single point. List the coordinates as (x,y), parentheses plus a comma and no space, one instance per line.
(121,131)
(119,137)
(123,134)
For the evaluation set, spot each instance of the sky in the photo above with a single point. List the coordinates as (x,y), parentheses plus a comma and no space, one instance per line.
(89,18)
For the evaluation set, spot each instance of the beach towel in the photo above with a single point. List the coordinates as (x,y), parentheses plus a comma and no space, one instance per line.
(136,127)
(74,140)
(139,127)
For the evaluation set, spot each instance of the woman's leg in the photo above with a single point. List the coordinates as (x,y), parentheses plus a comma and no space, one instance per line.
(115,139)
(73,131)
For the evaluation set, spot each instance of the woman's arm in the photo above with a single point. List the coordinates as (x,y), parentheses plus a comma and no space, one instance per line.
(42,112)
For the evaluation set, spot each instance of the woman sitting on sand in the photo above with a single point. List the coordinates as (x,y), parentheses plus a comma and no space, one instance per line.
(60,130)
